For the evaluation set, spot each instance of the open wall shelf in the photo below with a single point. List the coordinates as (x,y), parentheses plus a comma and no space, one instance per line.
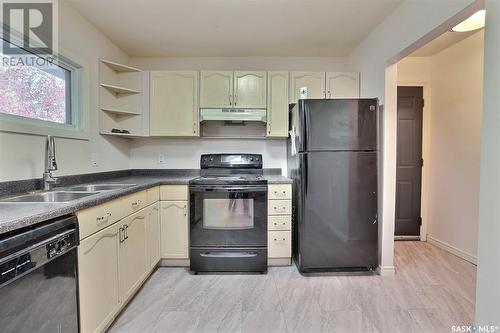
(119,68)
(121,99)
(119,90)
(125,135)
(119,112)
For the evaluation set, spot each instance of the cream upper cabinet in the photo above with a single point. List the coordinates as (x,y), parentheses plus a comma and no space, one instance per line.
(250,89)
(342,85)
(314,81)
(174,229)
(277,104)
(133,266)
(98,276)
(174,103)
(153,234)
(216,89)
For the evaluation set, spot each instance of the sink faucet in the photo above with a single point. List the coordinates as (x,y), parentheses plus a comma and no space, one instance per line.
(50,164)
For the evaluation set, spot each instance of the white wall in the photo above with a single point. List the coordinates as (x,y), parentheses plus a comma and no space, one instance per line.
(411,21)
(455,78)
(23,155)
(488,273)
(243,63)
(185,153)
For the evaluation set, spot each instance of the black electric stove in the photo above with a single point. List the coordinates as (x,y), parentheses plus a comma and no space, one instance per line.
(228,215)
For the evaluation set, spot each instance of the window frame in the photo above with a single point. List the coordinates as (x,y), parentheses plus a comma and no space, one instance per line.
(78,129)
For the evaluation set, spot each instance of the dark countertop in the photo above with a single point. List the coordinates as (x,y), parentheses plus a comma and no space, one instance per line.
(14,216)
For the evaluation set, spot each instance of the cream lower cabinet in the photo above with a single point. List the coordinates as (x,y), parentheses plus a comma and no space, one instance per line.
(174,103)
(174,229)
(98,276)
(279,224)
(113,262)
(133,261)
(277,104)
(153,234)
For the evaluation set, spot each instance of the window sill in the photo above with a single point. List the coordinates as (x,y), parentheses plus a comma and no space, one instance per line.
(28,128)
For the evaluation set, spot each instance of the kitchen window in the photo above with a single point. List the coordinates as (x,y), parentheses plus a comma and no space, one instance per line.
(43,99)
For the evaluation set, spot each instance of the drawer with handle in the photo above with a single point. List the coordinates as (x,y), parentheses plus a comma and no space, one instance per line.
(281,191)
(174,192)
(279,244)
(279,207)
(134,202)
(93,219)
(279,222)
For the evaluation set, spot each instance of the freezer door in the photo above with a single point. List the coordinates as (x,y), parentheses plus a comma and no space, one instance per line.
(337,216)
(337,124)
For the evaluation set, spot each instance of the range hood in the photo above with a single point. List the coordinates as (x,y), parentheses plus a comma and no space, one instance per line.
(235,115)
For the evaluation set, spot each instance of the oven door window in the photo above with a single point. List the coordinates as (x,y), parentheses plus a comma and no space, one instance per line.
(228,214)
(228,218)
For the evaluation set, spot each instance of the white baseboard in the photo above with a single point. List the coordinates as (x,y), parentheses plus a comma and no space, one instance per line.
(453,250)
(386,270)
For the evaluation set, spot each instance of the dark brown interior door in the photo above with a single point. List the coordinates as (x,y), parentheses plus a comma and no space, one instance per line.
(409,161)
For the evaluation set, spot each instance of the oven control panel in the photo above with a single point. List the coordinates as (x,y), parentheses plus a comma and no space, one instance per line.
(246,161)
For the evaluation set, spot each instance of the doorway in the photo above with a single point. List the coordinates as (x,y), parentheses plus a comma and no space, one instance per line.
(409,162)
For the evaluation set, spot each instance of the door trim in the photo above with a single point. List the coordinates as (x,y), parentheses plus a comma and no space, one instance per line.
(426,136)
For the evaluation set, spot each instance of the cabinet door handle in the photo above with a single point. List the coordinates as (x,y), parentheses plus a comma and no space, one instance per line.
(235,99)
(230,104)
(125,228)
(185,210)
(120,233)
(277,240)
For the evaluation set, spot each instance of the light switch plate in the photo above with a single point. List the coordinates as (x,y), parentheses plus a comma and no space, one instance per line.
(161,158)
(94,160)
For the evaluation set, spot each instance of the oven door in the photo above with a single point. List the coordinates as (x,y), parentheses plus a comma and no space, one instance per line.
(229,215)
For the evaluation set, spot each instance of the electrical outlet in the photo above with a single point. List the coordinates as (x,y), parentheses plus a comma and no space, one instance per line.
(161,159)
(94,160)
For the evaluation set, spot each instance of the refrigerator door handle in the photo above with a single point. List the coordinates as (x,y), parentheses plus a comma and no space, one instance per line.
(304,172)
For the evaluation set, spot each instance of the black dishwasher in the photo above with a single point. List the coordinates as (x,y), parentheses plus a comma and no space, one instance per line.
(38,278)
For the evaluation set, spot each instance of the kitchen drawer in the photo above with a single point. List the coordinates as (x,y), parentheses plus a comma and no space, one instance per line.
(93,219)
(174,192)
(279,222)
(279,244)
(134,202)
(153,195)
(282,191)
(279,207)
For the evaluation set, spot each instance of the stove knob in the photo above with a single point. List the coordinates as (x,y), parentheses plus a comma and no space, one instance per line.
(251,159)
(257,159)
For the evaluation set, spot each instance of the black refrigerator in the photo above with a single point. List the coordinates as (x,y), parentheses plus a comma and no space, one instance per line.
(332,159)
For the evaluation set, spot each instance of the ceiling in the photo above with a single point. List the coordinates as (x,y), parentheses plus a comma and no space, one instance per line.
(146,28)
(440,43)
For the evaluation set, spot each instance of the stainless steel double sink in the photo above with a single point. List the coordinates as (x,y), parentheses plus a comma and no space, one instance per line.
(65,195)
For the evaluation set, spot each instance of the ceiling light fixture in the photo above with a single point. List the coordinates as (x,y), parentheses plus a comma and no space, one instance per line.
(474,22)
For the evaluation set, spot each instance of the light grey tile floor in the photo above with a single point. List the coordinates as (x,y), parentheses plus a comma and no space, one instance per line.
(431,291)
